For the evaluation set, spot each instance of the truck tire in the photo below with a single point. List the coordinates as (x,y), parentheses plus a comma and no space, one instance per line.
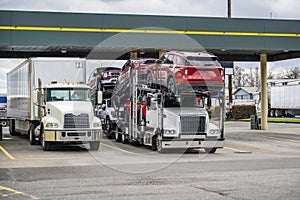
(94,146)
(12,129)
(210,150)
(153,145)
(4,123)
(108,125)
(124,139)
(277,113)
(117,134)
(32,137)
(45,145)
(158,142)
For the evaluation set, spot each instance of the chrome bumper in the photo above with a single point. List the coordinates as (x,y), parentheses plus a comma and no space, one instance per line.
(193,144)
(76,136)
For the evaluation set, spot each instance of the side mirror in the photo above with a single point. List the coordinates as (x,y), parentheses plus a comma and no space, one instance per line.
(103,107)
(99,97)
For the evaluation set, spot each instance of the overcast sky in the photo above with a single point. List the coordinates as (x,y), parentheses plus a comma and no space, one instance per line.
(276,9)
(287,9)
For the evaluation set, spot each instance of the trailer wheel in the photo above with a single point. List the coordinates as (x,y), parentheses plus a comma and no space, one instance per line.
(277,113)
(94,146)
(210,150)
(32,138)
(272,113)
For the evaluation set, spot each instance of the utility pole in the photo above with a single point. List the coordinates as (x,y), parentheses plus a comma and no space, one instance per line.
(229,76)
(229,8)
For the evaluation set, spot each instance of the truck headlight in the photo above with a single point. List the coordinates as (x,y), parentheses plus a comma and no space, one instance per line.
(51,125)
(113,114)
(214,132)
(97,124)
(169,132)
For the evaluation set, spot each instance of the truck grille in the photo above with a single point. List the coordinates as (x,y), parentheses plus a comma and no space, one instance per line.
(76,121)
(192,125)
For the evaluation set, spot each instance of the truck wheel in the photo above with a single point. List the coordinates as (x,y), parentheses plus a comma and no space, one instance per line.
(94,146)
(124,139)
(12,129)
(153,145)
(107,125)
(32,138)
(4,123)
(46,145)
(159,147)
(210,150)
(117,134)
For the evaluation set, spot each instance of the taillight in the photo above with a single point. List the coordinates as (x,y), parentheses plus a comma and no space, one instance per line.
(106,77)
(222,74)
(188,71)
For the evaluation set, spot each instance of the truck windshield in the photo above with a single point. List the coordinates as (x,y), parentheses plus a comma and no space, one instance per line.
(68,94)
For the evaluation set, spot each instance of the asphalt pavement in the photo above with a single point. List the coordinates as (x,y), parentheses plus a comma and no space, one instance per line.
(254,164)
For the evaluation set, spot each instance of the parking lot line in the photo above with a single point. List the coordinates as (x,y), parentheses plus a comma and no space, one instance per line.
(7,154)
(16,192)
(284,139)
(122,150)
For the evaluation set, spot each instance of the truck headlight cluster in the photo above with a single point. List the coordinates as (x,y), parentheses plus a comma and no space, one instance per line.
(97,124)
(51,125)
(169,132)
(214,132)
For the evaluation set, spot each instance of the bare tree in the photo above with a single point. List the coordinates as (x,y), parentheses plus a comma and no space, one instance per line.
(242,78)
(293,73)
(252,79)
(257,78)
(238,77)
(270,75)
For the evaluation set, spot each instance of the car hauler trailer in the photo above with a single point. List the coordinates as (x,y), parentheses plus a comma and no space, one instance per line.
(285,100)
(164,120)
(51,111)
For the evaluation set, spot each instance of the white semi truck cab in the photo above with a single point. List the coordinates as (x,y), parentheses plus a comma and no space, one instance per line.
(164,120)
(67,116)
(52,112)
